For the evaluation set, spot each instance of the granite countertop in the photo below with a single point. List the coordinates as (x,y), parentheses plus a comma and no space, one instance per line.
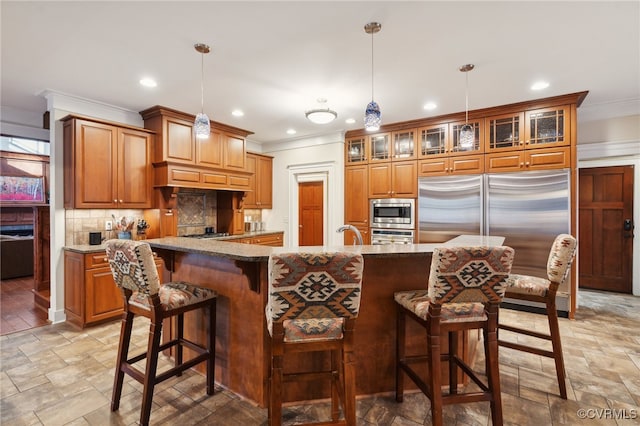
(255,253)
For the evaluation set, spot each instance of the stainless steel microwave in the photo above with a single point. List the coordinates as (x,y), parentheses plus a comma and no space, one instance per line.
(393,213)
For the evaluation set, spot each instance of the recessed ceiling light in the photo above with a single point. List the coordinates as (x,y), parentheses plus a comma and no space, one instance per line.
(237,113)
(350,120)
(291,132)
(148,82)
(429,106)
(539,85)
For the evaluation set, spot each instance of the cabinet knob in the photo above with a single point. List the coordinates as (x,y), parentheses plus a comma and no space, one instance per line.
(521,164)
(120,201)
(520,142)
(526,164)
(115,201)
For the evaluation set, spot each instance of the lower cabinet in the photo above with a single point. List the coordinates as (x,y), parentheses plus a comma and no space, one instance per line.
(90,295)
(274,240)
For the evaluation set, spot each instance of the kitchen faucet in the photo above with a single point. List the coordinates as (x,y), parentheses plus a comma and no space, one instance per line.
(355,230)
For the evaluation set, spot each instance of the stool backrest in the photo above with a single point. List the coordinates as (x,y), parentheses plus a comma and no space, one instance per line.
(562,253)
(314,285)
(133,266)
(469,274)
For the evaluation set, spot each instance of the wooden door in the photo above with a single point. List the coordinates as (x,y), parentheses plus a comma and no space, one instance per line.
(606,211)
(404,179)
(209,150)
(251,199)
(380,180)
(310,214)
(95,151)
(234,153)
(356,200)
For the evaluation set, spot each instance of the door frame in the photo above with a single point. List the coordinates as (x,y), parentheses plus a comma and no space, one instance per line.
(624,161)
(332,200)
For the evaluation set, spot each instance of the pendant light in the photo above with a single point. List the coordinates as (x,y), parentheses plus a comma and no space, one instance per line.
(202,125)
(372,116)
(467,132)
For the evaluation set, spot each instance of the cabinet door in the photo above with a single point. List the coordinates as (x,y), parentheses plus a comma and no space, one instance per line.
(234,152)
(74,287)
(548,158)
(179,141)
(356,150)
(466,164)
(433,140)
(264,183)
(209,151)
(134,170)
(504,132)
(380,147)
(356,208)
(455,148)
(95,162)
(103,297)
(380,180)
(505,162)
(250,201)
(350,236)
(433,167)
(404,178)
(547,127)
(404,144)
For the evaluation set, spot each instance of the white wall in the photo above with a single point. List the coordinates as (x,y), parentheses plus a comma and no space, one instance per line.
(312,159)
(615,142)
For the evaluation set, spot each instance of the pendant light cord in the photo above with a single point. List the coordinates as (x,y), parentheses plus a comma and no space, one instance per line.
(466,119)
(372,97)
(202,82)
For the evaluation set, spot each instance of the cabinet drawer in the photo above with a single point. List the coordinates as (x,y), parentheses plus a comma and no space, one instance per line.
(96,260)
(178,175)
(239,181)
(214,178)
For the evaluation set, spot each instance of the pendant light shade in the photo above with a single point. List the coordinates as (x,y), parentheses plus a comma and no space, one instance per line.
(321,115)
(372,115)
(467,132)
(202,124)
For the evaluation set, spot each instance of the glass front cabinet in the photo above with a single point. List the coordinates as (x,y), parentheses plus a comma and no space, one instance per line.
(547,127)
(356,151)
(444,140)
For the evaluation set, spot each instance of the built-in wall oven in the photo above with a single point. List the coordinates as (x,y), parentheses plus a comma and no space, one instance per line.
(393,220)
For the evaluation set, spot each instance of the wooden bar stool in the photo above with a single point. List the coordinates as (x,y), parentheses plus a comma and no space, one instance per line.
(465,289)
(543,290)
(313,301)
(134,271)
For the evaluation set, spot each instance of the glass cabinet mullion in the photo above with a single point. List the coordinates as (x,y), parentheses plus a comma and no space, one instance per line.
(379,147)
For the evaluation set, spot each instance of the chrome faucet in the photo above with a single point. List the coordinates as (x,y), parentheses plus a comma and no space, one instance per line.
(357,238)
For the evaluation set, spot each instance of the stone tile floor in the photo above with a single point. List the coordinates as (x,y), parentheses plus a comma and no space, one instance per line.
(59,375)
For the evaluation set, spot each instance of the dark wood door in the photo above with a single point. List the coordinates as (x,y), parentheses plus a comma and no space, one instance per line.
(310,214)
(606,228)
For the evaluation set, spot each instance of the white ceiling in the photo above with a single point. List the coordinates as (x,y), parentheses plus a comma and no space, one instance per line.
(274,59)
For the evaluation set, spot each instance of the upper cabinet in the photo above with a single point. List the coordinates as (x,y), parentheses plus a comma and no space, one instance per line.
(106,165)
(356,151)
(181,159)
(260,191)
(443,140)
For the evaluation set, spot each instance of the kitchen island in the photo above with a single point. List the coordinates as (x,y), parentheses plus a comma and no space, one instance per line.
(238,272)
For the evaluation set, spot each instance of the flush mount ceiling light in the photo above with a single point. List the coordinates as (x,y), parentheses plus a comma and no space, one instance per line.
(321,115)
(202,125)
(539,85)
(467,132)
(372,115)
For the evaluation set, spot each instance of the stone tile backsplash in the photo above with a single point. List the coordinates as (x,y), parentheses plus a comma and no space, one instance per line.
(79,222)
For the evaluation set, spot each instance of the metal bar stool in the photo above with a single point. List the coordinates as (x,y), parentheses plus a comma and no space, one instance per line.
(543,290)
(134,271)
(312,305)
(465,289)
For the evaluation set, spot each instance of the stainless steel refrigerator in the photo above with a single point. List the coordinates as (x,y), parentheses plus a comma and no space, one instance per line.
(527,208)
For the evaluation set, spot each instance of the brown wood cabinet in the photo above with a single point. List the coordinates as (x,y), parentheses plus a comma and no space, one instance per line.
(534,159)
(106,165)
(393,180)
(90,294)
(260,194)
(275,240)
(182,160)
(356,201)
(441,166)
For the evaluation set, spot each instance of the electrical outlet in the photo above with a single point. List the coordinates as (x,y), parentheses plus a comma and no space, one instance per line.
(108,225)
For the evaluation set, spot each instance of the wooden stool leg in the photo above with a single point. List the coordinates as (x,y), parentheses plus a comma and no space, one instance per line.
(435,366)
(349,388)
(275,394)
(554,331)
(400,351)
(338,366)
(179,335)
(153,348)
(211,347)
(123,351)
(453,366)
(492,368)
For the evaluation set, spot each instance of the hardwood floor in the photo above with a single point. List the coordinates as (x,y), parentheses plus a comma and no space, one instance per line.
(18,311)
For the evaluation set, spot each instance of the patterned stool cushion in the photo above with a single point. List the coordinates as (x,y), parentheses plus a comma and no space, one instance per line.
(174,295)
(418,301)
(525,284)
(311,293)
